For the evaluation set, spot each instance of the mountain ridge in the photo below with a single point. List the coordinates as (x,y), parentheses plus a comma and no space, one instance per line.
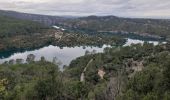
(160,27)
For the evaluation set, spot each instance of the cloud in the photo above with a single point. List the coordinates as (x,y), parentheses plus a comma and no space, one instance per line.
(123,8)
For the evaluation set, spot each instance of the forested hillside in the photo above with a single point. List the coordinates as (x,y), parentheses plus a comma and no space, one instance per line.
(136,72)
(113,24)
(11,27)
(160,27)
(126,73)
(19,34)
(44,19)
(92,24)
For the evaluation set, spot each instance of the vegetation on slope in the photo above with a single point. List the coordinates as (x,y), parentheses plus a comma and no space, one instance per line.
(92,24)
(44,19)
(33,81)
(57,38)
(19,35)
(137,72)
(113,24)
(12,27)
(132,73)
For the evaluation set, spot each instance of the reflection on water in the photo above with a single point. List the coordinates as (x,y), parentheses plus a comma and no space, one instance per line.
(65,55)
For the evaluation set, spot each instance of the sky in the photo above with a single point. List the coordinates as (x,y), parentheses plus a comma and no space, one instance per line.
(122,8)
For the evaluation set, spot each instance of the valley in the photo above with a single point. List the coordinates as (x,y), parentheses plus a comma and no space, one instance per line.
(45,57)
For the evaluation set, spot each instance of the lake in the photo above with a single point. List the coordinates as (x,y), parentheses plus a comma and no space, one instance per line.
(66,54)
(136,41)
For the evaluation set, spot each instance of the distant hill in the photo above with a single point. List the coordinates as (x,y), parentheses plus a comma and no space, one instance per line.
(45,19)
(160,27)
(11,27)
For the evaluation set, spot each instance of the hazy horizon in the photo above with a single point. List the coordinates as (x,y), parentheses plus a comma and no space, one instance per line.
(121,8)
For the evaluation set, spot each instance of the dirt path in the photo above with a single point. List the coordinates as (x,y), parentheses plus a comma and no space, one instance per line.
(82,77)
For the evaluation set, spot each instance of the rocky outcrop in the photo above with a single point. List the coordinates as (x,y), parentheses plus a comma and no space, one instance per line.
(133,66)
(101,73)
